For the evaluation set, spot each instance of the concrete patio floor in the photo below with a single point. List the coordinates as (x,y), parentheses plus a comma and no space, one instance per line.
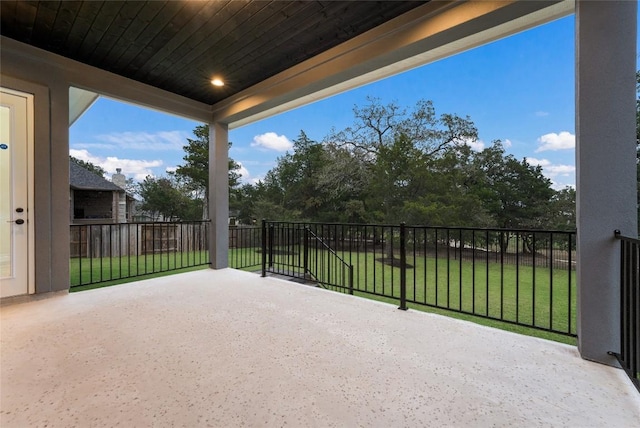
(228,348)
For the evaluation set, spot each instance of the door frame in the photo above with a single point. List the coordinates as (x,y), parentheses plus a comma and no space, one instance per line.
(30,273)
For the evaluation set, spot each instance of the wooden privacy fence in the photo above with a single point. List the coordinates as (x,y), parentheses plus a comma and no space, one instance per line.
(133,239)
(244,236)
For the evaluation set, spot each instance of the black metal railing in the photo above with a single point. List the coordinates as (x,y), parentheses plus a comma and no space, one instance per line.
(325,267)
(245,243)
(296,251)
(111,252)
(629,355)
(518,276)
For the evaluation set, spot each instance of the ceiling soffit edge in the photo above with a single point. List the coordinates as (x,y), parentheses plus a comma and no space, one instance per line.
(27,62)
(425,34)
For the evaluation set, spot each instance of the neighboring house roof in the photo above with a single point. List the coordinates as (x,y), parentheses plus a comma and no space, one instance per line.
(83,179)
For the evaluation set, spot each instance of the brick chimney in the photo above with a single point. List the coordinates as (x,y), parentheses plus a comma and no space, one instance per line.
(119,179)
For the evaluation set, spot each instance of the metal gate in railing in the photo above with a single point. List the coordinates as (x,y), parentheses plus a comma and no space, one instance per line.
(299,251)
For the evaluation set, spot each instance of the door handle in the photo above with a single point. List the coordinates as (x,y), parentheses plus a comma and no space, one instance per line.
(18,221)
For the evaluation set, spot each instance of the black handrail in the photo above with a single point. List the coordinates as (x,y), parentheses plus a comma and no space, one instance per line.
(317,274)
(524,277)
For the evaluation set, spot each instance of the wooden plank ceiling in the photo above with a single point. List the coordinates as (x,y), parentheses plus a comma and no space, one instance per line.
(179,45)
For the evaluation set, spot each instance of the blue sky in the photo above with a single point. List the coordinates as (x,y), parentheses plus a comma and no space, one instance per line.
(519,90)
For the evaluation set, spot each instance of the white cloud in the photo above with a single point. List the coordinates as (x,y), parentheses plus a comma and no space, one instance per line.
(132,168)
(554,171)
(536,162)
(507,143)
(81,154)
(561,170)
(476,145)
(244,172)
(99,146)
(163,140)
(272,141)
(562,141)
(171,168)
(246,176)
(542,113)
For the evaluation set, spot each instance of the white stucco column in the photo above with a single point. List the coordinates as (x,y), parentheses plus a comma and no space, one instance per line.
(606,166)
(219,195)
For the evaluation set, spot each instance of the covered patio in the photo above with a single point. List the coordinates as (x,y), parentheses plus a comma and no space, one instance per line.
(228,348)
(164,55)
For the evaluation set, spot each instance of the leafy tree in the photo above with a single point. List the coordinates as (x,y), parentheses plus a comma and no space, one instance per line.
(562,210)
(195,171)
(297,175)
(396,176)
(89,166)
(165,200)
(245,198)
(130,186)
(377,126)
(450,196)
(290,189)
(410,165)
(398,148)
(515,193)
(343,181)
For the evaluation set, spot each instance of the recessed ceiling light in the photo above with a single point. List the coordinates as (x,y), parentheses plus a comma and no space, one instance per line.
(217,82)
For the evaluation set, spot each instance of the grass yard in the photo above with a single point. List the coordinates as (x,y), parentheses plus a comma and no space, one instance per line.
(87,273)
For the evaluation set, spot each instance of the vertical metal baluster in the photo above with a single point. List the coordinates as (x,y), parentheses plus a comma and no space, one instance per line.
(551,281)
(460,270)
(448,268)
(518,276)
(437,283)
(403,268)
(486,283)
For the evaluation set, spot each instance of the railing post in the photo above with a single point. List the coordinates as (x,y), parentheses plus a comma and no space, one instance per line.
(264,248)
(305,262)
(351,279)
(634,315)
(403,269)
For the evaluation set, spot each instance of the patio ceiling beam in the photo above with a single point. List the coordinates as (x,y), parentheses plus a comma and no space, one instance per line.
(37,65)
(423,35)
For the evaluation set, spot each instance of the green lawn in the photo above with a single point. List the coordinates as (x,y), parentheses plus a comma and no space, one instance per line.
(509,292)
(87,273)
(134,278)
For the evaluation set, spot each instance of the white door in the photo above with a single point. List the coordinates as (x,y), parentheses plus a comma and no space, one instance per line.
(16,143)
